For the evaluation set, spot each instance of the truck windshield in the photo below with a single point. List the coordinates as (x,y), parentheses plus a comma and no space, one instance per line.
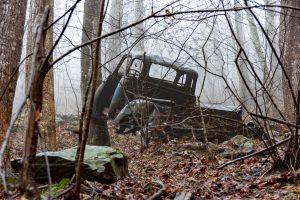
(135,68)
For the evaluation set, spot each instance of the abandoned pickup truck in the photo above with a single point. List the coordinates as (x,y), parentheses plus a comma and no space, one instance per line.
(156,95)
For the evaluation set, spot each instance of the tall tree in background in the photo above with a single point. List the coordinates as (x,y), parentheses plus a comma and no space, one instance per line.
(48,119)
(84,130)
(12,18)
(289,43)
(98,130)
(114,43)
(271,27)
(266,59)
(138,30)
(244,72)
(90,22)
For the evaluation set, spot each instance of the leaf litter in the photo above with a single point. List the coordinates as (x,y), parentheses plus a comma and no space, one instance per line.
(172,172)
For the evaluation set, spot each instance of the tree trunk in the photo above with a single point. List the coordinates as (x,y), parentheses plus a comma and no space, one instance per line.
(12,18)
(138,30)
(274,84)
(289,43)
(47,120)
(240,34)
(114,43)
(87,119)
(27,185)
(90,20)
(29,41)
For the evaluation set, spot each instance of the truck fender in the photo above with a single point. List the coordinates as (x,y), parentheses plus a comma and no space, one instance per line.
(140,107)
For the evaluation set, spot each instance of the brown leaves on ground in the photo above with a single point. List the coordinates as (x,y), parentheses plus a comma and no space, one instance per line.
(185,173)
(193,172)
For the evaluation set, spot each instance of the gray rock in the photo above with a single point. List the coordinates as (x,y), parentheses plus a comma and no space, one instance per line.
(239,146)
(243,143)
(198,146)
(101,163)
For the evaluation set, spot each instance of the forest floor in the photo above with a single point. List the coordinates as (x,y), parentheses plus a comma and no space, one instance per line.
(181,171)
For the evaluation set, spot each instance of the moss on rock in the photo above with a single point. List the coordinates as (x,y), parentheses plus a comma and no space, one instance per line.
(101,163)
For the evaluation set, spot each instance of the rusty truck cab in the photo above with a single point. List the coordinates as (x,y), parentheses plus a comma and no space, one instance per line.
(154,77)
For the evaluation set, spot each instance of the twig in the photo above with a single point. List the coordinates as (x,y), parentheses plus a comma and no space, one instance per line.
(155,15)
(267,171)
(107,35)
(289,124)
(157,194)
(254,154)
(43,187)
(64,191)
(43,144)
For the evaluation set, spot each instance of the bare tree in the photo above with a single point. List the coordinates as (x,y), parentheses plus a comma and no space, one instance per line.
(273,76)
(289,41)
(12,15)
(47,120)
(84,129)
(138,30)
(90,59)
(241,60)
(27,184)
(39,69)
(290,38)
(114,43)
(89,27)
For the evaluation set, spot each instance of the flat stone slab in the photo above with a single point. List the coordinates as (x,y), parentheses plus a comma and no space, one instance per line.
(101,163)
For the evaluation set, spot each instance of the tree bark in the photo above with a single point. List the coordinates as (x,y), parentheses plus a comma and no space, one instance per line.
(138,30)
(114,43)
(12,18)
(289,44)
(240,34)
(47,120)
(85,131)
(90,19)
(27,185)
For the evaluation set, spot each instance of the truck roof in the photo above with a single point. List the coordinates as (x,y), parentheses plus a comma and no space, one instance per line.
(175,64)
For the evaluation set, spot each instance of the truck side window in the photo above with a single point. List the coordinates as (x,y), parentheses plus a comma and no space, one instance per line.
(182,80)
(162,72)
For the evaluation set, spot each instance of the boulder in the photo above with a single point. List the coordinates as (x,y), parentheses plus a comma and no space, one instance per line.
(242,143)
(101,163)
(237,146)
